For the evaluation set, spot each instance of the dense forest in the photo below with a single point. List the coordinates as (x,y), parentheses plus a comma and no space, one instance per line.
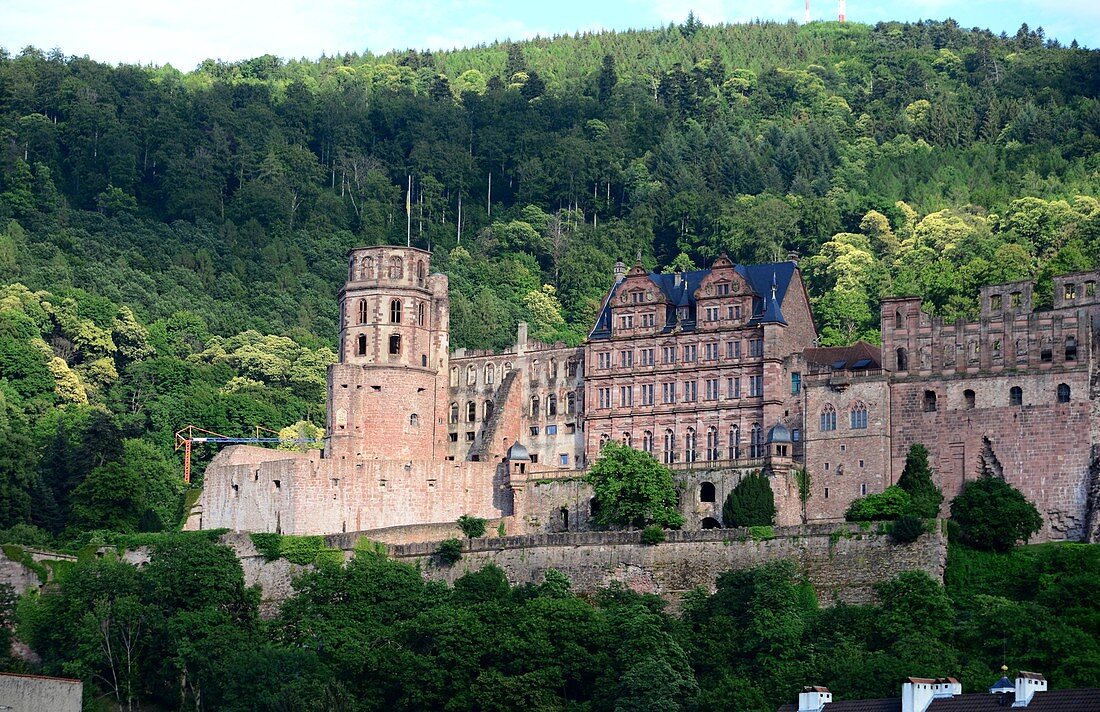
(170,249)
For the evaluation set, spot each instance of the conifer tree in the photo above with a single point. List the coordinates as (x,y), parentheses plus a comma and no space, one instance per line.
(916,479)
(750,504)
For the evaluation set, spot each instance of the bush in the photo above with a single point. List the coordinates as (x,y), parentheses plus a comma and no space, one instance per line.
(906,529)
(891,503)
(449,551)
(653,534)
(762,532)
(992,515)
(750,504)
(632,489)
(471,526)
(916,479)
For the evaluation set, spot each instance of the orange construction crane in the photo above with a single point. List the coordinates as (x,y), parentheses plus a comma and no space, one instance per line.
(186,436)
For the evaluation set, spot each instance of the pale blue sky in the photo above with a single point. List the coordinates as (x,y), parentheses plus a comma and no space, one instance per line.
(184,32)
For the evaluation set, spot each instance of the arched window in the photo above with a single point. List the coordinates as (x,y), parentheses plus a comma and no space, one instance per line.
(420,314)
(1063,393)
(488,409)
(471,411)
(368,268)
(859,416)
(689,445)
(490,373)
(968,399)
(1015,396)
(670,447)
(570,403)
(505,369)
(902,360)
(627,440)
(361,345)
(454,376)
(735,442)
(535,402)
(713,452)
(553,368)
(647,441)
(420,272)
(1071,348)
(471,375)
(973,351)
(604,439)
(552,404)
(706,492)
(395,344)
(396,270)
(929,401)
(361,311)
(828,418)
(454,413)
(899,320)
(414,420)
(710,523)
(756,439)
(395,311)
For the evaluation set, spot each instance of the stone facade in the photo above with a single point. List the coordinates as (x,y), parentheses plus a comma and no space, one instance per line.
(715,372)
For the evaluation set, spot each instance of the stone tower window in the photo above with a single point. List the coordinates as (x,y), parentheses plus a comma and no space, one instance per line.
(368,267)
(1063,393)
(647,441)
(859,416)
(902,360)
(420,273)
(1071,348)
(471,375)
(929,401)
(395,311)
(1015,396)
(454,376)
(488,409)
(756,438)
(396,271)
(670,446)
(552,404)
(899,320)
(395,344)
(490,373)
(828,418)
(690,442)
(414,420)
(570,403)
(706,492)
(362,311)
(420,314)
(471,411)
(361,345)
(535,404)
(968,399)
(735,442)
(454,413)
(713,452)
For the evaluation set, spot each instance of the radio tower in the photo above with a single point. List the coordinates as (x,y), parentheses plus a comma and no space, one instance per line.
(842,10)
(807,12)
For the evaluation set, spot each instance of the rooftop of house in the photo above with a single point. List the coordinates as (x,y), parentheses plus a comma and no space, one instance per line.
(860,356)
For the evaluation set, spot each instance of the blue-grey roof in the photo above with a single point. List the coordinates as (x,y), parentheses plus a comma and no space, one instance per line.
(779,434)
(1003,685)
(764,280)
(518,451)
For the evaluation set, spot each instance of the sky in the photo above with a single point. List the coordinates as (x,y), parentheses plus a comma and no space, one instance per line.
(184,33)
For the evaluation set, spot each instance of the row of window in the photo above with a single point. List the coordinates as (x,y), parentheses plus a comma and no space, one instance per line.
(366,268)
(857,417)
(471,411)
(552,404)
(394,347)
(685,391)
(689,353)
(1015,397)
(715,449)
(973,352)
(489,371)
(362,312)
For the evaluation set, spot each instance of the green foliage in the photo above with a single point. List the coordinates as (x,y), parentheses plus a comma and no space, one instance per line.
(472,526)
(652,535)
(892,503)
(751,503)
(761,532)
(449,551)
(993,515)
(20,556)
(916,479)
(908,528)
(302,550)
(632,489)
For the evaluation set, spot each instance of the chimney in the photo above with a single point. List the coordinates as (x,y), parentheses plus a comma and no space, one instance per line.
(814,699)
(918,692)
(620,270)
(1027,684)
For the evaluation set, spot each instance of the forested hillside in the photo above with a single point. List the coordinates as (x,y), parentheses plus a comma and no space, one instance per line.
(172,243)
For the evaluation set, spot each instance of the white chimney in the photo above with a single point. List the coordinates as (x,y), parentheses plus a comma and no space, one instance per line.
(814,699)
(1027,684)
(918,692)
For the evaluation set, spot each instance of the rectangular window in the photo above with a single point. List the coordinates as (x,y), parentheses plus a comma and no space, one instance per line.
(826,492)
(756,386)
(563,459)
(733,349)
(647,394)
(861,463)
(712,389)
(534,430)
(668,354)
(604,358)
(722,289)
(796,434)
(668,392)
(648,319)
(605,397)
(691,392)
(756,348)
(737,312)
(712,313)
(453,437)
(626,359)
(729,313)
(691,351)
(551,430)
(647,357)
(626,396)
(469,436)
(733,387)
(863,490)
(626,321)
(796,383)
(711,351)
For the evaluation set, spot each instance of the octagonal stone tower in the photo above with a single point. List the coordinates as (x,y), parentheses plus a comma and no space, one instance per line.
(387,393)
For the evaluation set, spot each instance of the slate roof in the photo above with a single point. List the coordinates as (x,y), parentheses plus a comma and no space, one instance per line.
(1082,700)
(857,357)
(760,278)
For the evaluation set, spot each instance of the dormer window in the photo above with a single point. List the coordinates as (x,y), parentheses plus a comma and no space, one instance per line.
(722,289)
(637,297)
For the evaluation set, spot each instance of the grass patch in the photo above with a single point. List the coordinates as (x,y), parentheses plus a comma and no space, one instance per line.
(762,532)
(302,550)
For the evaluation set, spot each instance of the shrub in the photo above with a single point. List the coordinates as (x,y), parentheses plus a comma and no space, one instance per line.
(993,515)
(471,526)
(449,551)
(750,504)
(653,534)
(632,489)
(762,532)
(906,529)
(891,503)
(916,479)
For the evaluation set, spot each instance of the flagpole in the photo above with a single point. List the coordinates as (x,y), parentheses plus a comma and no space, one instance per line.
(409,214)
